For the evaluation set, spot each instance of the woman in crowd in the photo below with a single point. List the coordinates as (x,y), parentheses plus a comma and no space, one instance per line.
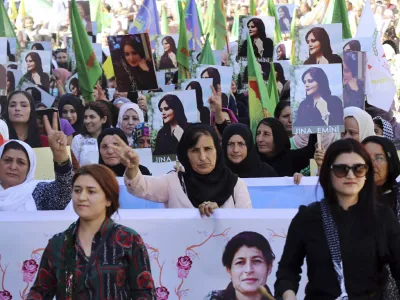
(121,101)
(20,116)
(84,145)
(281,52)
(71,109)
(141,136)
(168,59)
(140,74)
(280,77)
(342,232)
(95,257)
(129,116)
(204,112)
(358,124)
(262,45)
(10,82)
(285,20)
(353,45)
(353,87)
(74,87)
(283,113)
(35,73)
(241,155)
(18,189)
(174,123)
(247,255)
(273,146)
(320,50)
(320,107)
(206,183)
(107,155)
(383,128)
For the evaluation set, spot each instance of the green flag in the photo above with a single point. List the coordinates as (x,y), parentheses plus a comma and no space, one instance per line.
(216,24)
(96,13)
(164,21)
(235,26)
(207,56)
(89,69)
(253,10)
(6,28)
(292,37)
(337,13)
(272,87)
(272,13)
(183,56)
(259,105)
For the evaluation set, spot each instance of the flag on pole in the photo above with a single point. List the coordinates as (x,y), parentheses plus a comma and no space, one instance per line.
(164,21)
(13,12)
(259,105)
(193,25)
(272,87)
(235,26)
(147,19)
(21,15)
(216,25)
(207,56)
(183,55)
(272,13)
(253,10)
(292,36)
(96,13)
(89,69)
(6,28)
(317,15)
(379,84)
(337,13)
(108,68)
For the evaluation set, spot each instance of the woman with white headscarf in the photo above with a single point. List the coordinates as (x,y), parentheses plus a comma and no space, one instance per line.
(358,124)
(18,189)
(130,115)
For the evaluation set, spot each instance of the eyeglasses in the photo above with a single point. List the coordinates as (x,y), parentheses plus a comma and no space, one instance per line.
(340,170)
(379,159)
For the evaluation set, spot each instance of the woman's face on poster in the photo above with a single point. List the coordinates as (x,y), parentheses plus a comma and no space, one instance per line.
(347,75)
(166,46)
(249,270)
(73,89)
(253,30)
(310,85)
(129,122)
(30,63)
(81,11)
(281,13)
(132,57)
(167,114)
(314,45)
(278,53)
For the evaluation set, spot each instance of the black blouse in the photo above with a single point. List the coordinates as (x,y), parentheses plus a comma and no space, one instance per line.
(364,270)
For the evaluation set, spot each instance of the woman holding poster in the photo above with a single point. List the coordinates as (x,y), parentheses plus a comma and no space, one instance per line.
(320,107)
(319,45)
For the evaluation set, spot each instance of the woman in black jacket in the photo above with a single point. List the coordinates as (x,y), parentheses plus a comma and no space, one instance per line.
(346,238)
(35,73)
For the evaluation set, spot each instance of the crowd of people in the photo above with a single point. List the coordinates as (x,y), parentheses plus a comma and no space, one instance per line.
(350,239)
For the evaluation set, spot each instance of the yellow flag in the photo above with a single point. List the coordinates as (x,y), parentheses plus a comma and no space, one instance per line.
(21,15)
(12,11)
(108,68)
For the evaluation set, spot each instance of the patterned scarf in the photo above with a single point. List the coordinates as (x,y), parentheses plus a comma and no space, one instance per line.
(332,237)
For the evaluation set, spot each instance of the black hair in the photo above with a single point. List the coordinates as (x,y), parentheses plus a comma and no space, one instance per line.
(11,79)
(75,82)
(280,107)
(214,74)
(37,60)
(135,43)
(249,239)
(259,24)
(322,36)
(195,85)
(320,77)
(176,105)
(13,145)
(354,45)
(171,42)
(281,74)
(101,111)
(350,59)
(38,46)
(36,94)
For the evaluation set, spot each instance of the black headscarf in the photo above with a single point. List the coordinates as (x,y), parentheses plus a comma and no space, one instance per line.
(119,169)
(251,166)
(70,99)
(217,186)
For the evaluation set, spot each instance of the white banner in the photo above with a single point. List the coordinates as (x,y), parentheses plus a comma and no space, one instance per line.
(168,234)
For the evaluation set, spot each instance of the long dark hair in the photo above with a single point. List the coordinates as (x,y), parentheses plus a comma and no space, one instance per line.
(354,45)
(214,74)
(280,107)
(195,85)
(134,43)
(280,73)
(176,105)
(259,24)
(171,42)
(33,137)
(38,62)
(321,36)
(11,79)
(367,195)
(320,77)
(75,82)
(283,50)
(286,13)
(38,46)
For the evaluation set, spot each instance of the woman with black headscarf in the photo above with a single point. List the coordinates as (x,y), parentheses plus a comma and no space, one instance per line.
(241,155)
(206,182)
(107,155)
(71,108)
(273,146)
(203,111)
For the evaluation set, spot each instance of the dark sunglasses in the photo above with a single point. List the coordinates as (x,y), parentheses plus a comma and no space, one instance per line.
(340,171)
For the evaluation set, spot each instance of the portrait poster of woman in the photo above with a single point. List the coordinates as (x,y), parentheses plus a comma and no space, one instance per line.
(84,12)
(13,79)
(318,44)
(220,75)
(359,44)
(3,51)
(261,30)
(285,15)
(242,80)
(354,69)
(39,46)
(316,98)
(169,115)
(38,94)
(283,50)
(202,87)
(35,64)
(166,51)
(133,62)
(72,85)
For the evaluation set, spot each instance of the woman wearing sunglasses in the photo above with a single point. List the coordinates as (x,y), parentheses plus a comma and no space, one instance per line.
(347,238)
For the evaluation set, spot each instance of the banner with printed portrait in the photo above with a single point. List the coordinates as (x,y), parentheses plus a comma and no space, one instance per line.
(13,78)
(35,64)
(133,62)
(358,44)
(283,50)
(38,94)
(169,115)
(285,15)
(354,71)
(316,93)
(318,44)
(46,46)
(84,12)
(166,51)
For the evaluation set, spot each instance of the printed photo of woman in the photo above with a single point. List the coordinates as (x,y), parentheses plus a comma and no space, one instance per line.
(35,72)
(353,45)
(319,46)
(203,111)
(281,52)
(168,59)
(248,260)
(133,62)
(74,87)
(320,107)
(262,45)
(353,83)
(285,20)
(10,82)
